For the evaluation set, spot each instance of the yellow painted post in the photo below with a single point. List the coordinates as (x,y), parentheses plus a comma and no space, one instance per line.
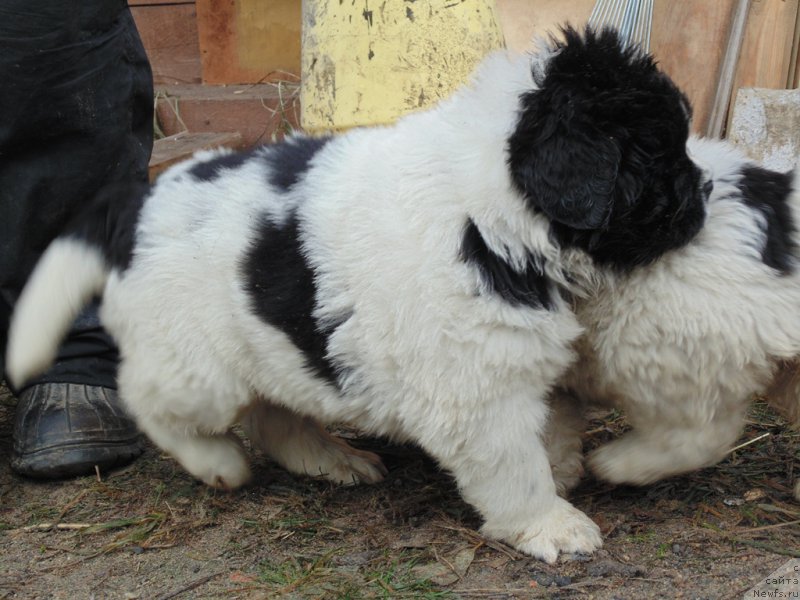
(366,62)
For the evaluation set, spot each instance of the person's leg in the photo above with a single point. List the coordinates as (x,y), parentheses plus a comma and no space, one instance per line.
(75,115)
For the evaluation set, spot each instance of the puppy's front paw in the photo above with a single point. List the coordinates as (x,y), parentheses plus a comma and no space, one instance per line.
(563,528)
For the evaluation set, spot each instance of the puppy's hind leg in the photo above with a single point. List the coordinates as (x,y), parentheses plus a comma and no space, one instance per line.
(302,445)
(563,440)
(783,393)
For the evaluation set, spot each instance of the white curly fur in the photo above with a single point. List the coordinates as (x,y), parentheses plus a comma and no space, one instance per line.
(432,355)
(683,344)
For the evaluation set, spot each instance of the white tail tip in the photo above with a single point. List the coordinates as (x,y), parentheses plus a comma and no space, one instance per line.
(67,276)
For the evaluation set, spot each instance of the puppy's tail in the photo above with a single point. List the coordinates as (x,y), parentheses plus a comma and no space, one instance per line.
(69,273)
(72,270)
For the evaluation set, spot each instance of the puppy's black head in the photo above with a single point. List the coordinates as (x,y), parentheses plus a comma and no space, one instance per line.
(600,148)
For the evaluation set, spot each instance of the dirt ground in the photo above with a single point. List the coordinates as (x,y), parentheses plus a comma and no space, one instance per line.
(149,531)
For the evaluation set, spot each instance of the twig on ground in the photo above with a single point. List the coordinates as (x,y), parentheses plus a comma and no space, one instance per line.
(753,543)
(495,592)
(779,509)
(748,442)
(70,505)
(385,586)
(49,526)
(773,526)
(191,586)
(481,541)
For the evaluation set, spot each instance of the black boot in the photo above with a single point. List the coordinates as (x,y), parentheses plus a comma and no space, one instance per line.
(66,429)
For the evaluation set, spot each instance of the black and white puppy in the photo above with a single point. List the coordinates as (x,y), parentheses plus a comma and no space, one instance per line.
(683,344)
(407,279)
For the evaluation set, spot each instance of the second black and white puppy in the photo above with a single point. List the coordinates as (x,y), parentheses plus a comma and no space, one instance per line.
(683,344)
(407,280)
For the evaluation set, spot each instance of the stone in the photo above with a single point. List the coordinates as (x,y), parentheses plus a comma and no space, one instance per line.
(766,126)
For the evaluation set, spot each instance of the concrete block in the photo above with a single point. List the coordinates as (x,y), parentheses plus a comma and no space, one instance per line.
(766,125)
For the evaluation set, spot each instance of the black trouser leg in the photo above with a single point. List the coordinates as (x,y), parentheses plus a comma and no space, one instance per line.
(76,113)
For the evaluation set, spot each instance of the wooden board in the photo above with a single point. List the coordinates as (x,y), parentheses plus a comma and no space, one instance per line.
(261,113)
(249,41)
(794,81)
(523,20)
(169,36)
(689,39)
(175,148)
(766,57)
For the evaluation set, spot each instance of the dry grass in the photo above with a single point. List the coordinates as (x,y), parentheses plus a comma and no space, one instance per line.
(149,531)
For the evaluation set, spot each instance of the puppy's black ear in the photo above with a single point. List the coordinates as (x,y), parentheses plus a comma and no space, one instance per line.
(565,153)
(565,169)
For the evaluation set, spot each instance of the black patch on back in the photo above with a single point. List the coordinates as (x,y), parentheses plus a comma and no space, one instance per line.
(530,287)
(109,223)
(280,284)
(211,169)
(289,160)
(768,192)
